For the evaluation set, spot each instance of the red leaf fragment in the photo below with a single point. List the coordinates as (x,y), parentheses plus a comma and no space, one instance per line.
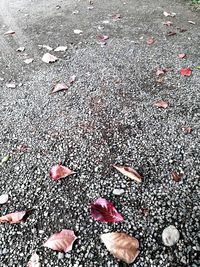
(150,40)
(60,87)
(15,217)
(104,211)
(3,199)
(58,172)
(161,104)
(62,241)
(185,71)
(34,261)
(182,55)
(102,38)
(175,176)
(168,23)
(129,172)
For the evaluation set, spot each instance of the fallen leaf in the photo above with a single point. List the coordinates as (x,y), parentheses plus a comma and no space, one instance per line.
(160,71)
(28,60)
(185,71)
(58,172)
(150,40)
(161,104)
(9,32)
(60,87)
(62,241)
(171,33)
(3,199)
(78,31)
(15,217)
(168,23)
(5,159)
(72,79)
(46,47)
(188,130)
(182,55)
(197,67)
(102,38)
(169,14)
(116,17)
(122,246)
(191,22)
(20,49)
(129,172)
(34,261)
(11,85)
(48,58)
(104,211)
(61,49)
(176,177)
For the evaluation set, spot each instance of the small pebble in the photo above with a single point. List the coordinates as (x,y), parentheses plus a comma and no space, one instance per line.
(61,255)
(118,192)
(170,236)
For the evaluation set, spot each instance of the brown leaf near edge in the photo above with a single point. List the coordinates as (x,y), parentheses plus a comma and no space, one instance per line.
(129,172)
(176,177)
(122,246)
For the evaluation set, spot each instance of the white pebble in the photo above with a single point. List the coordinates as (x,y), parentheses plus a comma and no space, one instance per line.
(170,236)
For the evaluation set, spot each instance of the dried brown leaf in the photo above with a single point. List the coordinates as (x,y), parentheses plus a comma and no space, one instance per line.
(129,172)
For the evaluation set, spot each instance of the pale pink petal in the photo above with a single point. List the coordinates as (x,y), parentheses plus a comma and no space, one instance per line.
(58,172)
(15,217)
(161,104)
(34,261)
(48,58)
(60,87)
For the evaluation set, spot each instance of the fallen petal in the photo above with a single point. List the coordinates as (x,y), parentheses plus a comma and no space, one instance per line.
(58,172)
(116,17)
(170,236)
(11,85)
(3,199)
(175,176)
(9,32)
(129,172)
(20,49)
(150,41)
(46,47)
(104,211)
(191,22)
(122,246)
(15,217)
(34,261)
(72,79)
(171,14)
(48,58)
(62,241)
(78,31)
(60,87)
(160,72)
(185,71)
(61,49)
(161,104)
(182,55)
(168,23)
(28,60)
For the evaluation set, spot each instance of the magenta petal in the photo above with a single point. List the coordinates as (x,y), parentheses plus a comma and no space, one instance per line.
(104,211)
(58,172)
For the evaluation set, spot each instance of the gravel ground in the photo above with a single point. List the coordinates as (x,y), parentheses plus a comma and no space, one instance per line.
(106,117)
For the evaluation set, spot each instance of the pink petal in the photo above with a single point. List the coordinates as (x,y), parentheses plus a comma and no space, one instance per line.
(150,41)
(104,211)
(15,217)
(48,58)
(160,72)
(62,241)
(161,104)
(72,79)
(60,87)
(182,55)
(58,172)
(176,177)
(102,38)
(116,17)
(34,261)
(4,198)
(185,71)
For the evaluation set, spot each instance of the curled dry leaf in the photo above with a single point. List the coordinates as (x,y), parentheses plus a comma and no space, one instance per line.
(60,87)
(48,58)
(161,104)
(61,49)
(169,14)
(20,49)
(3,199)
(58,172)
(185,71)
(34,261)
(9,32)
(62,241)
(129,172)
(182,55)
(122,246)
(15,217)
(28,60)
(104,211)
(168,23)
(76,31)
(150,40)
(175,176)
